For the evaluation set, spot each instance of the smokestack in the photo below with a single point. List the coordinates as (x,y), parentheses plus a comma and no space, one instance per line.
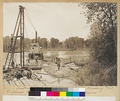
(36,37)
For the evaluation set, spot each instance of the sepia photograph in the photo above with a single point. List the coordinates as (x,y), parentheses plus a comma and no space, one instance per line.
(62,44)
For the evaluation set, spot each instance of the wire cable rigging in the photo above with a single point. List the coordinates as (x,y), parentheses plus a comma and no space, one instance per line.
(27,15)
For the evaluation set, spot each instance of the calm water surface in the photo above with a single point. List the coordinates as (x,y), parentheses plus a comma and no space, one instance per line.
(60,54)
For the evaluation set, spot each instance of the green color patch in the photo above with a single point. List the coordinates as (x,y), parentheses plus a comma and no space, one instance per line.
(69,94)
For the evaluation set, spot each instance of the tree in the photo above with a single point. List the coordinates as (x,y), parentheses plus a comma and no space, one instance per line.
(54,42)
(103,31)
(6,43)
(106,13)
(61,44)
(43,43)
(88,43)
(27,42)
(74,43)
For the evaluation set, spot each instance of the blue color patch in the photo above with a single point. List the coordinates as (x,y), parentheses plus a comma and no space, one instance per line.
(76,94)
(82,93)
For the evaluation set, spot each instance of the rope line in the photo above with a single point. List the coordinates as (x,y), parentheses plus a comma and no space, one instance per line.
(25,30)
(27,15)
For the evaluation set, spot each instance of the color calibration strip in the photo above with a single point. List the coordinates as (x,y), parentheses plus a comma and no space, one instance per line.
(57,92)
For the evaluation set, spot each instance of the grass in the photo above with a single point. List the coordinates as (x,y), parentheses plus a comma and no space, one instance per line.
(90,72)
(94,75)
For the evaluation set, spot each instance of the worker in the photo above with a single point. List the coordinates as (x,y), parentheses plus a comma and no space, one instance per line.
(70,60)
(37,59)
(13,64)
(58,61)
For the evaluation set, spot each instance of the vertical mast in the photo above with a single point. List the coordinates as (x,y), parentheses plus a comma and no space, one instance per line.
(21,36)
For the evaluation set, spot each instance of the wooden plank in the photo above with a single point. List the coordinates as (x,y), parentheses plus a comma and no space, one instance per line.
(43,83)
(13,83)
(17,83)
(21,80)
(36,82)
(24,82)
(28,81)
(31,82)
(20,83)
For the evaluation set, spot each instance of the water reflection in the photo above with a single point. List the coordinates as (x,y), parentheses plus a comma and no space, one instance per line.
(67,54)
(60,54)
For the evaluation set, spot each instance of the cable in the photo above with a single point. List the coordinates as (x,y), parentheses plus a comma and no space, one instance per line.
(28,17)
(30,20)
(26,30)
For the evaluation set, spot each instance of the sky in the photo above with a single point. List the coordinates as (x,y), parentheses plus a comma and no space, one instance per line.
(58,20)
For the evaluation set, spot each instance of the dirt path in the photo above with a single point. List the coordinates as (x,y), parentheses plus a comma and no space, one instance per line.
(63,77)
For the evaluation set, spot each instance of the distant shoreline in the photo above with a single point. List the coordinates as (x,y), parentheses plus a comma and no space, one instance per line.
(57,49)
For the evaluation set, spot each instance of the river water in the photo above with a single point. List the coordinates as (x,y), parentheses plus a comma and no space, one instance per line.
(67,54)
(51,54)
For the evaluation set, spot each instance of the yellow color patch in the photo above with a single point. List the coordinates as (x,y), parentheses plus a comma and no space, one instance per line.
(62,93)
